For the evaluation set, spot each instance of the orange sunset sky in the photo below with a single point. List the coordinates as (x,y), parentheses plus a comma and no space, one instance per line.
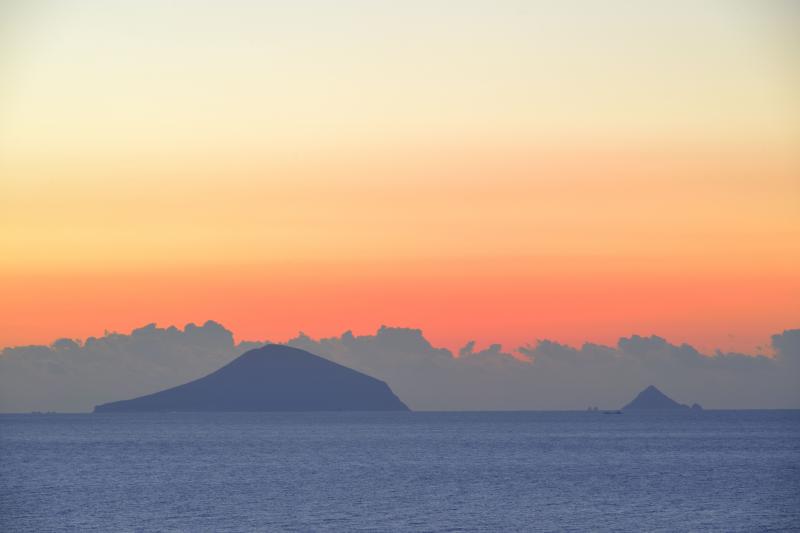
(497,171)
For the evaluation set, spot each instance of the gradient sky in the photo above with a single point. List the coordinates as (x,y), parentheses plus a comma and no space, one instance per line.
(499,171)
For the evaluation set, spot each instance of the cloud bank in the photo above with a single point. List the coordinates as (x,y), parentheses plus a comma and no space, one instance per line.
(75,376)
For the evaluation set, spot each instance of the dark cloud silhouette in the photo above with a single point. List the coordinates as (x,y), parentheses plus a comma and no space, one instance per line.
(562,377)
(74,376)
(787,345)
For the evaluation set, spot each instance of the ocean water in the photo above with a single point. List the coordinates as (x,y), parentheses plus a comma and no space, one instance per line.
(520,471)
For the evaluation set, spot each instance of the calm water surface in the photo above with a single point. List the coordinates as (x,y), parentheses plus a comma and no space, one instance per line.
(525,471)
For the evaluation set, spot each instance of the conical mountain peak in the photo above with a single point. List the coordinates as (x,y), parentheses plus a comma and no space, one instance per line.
(272,378)
(653,398)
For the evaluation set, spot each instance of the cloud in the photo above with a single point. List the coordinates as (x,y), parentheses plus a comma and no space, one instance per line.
(75,376)
(787,345)
(562,377)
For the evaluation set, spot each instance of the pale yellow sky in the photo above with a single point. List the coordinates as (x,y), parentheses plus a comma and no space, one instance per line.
(640,151)
(140,76)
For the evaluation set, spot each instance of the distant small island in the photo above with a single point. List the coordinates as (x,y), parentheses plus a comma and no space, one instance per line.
(271,378)
(651,399)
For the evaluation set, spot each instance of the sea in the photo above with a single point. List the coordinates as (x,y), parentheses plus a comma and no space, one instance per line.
(416,471)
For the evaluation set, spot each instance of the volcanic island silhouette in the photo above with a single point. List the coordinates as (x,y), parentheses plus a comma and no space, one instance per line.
(271,378)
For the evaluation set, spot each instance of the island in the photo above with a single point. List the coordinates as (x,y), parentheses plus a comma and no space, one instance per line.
(652,399)
(271,378)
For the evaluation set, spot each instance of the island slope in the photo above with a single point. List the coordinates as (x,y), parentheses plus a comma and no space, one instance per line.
(271,378)
(651,398)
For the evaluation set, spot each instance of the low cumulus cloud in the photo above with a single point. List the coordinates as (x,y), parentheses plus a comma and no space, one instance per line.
(557,376)
(75,376)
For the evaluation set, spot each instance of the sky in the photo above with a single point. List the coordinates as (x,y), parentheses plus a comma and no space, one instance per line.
(492,171)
